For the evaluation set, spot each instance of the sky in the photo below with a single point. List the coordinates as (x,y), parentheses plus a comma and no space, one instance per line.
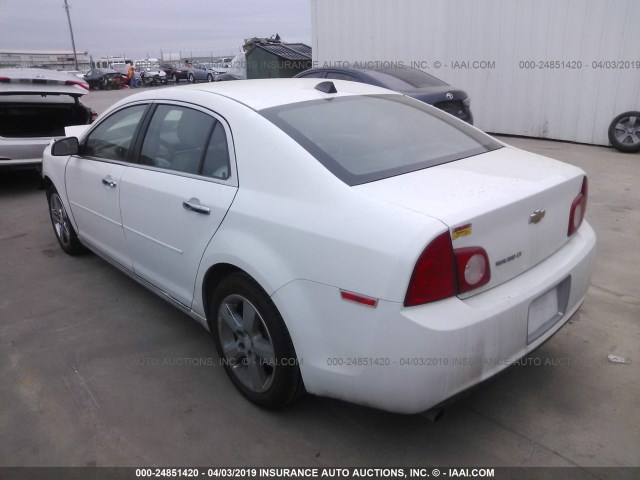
(141,28)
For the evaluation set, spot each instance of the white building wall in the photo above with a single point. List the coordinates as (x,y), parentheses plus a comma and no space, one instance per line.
(574,104)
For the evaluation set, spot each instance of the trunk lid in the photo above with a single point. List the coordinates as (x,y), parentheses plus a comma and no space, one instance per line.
(23,81)
(490,201)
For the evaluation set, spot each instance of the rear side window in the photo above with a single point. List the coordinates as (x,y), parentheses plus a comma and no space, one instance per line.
(188,141)
(216,161)
(362,139)
(111,139)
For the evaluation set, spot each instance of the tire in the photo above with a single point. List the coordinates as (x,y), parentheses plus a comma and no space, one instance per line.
(624,132)
(175,78)
(62,228)
(256,350)
(192,79)
(209,78)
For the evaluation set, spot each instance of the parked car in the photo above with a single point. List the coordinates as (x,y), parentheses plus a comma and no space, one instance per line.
(36,105)
(152,76)
(624,132)
(124,72)
(201,73)
(105,79)
(409,81)
(174,72)
(333,236)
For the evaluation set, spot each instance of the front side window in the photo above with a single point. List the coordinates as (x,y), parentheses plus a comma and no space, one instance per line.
(364,138)
(182,139)
(112,138)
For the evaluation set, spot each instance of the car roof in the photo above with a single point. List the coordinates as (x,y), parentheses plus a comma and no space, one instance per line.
(356,70)
(376,76)
(40,81)
(261,94)
(255,94)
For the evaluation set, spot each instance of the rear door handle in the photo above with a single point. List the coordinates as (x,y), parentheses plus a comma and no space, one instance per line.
(109,182)
(193,204)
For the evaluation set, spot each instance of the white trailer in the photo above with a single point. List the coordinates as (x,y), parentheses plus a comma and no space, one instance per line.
(559,69)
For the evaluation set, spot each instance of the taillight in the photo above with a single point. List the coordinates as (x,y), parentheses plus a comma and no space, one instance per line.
(578,208)
(473,268)
(5,80)
(443,272)
(434,276)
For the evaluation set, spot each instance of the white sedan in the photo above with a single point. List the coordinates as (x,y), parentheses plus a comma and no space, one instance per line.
(335,237)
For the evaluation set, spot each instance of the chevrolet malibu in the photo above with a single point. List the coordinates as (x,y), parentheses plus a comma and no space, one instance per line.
(334,237)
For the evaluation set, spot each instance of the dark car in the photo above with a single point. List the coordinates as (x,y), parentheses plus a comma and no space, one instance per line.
(105,78)
(174,72)
(409,81)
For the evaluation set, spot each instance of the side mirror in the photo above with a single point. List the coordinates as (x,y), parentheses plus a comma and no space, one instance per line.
(65,147)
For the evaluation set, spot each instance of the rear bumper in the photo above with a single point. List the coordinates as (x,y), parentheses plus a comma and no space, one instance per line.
(408,360)
(17,152)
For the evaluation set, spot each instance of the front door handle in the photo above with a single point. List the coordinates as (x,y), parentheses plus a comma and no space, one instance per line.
(193,204)
(109,182)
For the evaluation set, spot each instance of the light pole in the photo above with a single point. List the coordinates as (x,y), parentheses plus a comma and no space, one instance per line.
(73,43)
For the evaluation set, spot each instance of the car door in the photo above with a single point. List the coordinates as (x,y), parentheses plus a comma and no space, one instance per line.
(93,182)
(176,196)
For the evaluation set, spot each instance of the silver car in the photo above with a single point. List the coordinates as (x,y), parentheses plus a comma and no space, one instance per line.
(201,73)
(153,75)
(35,106)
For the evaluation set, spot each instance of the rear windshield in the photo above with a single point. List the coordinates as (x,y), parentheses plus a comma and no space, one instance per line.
(402,79)
(362,139)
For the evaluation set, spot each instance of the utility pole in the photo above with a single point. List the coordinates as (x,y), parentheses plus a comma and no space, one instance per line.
(73,43)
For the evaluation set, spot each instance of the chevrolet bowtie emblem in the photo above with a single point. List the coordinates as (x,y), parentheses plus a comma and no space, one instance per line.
(536,216)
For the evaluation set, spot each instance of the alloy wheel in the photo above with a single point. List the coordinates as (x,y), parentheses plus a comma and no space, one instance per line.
(246,343)
(627,130)
(60,220)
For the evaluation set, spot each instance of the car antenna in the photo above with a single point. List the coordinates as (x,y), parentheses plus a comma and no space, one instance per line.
(326,87)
